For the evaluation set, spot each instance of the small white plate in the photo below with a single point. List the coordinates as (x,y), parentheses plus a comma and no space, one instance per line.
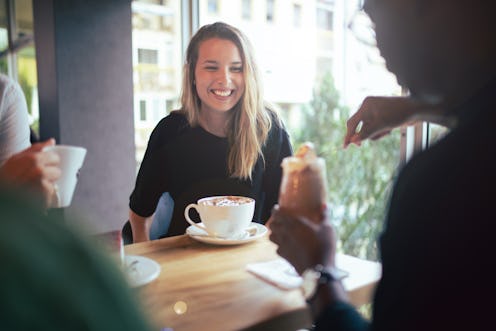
(198,234)
(140,270)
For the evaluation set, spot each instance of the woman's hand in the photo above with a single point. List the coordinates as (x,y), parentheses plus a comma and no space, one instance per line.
(140,227)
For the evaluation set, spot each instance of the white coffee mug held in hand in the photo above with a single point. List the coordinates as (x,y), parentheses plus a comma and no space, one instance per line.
(223,216)
(71,160)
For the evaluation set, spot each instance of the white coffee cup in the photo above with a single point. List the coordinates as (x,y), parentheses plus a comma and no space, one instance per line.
(71,160)
(223,216)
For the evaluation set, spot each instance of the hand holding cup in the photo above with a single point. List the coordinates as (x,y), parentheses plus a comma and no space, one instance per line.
(71,160)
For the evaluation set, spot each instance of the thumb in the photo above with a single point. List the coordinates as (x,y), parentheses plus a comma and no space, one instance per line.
(39,146)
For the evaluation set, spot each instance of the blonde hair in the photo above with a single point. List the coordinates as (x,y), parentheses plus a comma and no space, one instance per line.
(251,119)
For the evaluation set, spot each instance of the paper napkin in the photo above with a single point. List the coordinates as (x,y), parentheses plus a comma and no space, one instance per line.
(278,272)
(281,273)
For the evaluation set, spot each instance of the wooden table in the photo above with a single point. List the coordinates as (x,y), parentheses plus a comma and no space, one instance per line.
(206,287)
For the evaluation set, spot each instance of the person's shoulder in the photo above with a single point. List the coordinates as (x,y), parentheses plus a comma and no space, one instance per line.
(174,118)
(8,85)
(168,128)
(173,123)
(5,80)
(275,117)
(278,142)
(277,127)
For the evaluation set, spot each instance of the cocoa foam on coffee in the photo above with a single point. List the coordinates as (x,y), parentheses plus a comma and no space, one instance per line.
(303,186)
(227,201)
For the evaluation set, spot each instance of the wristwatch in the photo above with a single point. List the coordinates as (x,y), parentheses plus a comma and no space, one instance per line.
(313,277)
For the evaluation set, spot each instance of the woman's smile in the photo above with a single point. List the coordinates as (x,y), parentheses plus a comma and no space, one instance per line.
(222,93)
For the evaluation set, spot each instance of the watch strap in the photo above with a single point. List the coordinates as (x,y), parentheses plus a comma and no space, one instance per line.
(317,276)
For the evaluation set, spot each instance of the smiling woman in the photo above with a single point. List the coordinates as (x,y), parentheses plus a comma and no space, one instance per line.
(224,140)
(219,83)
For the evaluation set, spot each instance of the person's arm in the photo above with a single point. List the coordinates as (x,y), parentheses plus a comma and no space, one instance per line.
(14,119)
(34,170)
(377,116)
(151,178)
(140,226)
(305,245)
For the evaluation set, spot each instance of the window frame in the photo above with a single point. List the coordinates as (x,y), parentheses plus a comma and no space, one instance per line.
(246,9)
(270,11)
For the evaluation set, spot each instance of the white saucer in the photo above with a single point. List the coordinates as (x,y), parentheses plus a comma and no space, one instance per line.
(202,236)
(140,270)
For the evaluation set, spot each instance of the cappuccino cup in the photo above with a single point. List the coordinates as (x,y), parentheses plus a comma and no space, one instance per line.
(223,216)
(71,160)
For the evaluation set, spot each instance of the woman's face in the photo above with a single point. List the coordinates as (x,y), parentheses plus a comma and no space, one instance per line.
(219,76)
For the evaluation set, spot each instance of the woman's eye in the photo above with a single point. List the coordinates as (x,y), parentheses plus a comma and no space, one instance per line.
(211,68)
(237,69)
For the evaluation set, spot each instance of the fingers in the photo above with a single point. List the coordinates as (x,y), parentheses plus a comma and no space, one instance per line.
(51,172)
(280,225)
(358,125)
(274,224)
(351,129)
(48,158)
(34,169)
(37,147)
(375,118)
(48,192)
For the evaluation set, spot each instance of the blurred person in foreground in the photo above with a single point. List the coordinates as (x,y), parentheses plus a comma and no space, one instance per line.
(437,247)
(22,165)
(53,279)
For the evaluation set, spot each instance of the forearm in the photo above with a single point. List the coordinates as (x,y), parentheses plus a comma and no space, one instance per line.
(327,294)
(331,310)
(140,226)
(341,316)
(433,113)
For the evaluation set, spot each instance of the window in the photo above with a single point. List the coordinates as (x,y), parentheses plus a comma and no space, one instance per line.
(213,6)
(4,37)
(324,19)
(296,15)
(149,56)
(246,9)
(17,51)
(169,105)
(157,110)
(142,109)
(435,132)
(270,11)
(157,63)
